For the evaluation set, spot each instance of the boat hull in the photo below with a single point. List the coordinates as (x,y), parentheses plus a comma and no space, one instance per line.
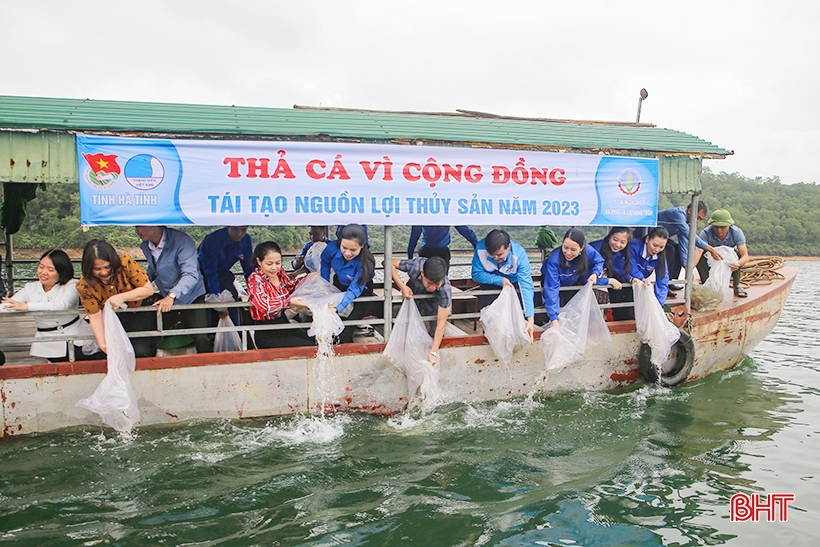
(287,381)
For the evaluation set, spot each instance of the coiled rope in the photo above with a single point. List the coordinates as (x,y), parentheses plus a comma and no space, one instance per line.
(761,270)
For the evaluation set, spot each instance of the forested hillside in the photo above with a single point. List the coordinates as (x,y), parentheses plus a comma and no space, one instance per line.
(777,219)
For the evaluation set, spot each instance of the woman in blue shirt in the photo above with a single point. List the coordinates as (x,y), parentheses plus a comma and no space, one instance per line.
(614,249)
(572,264)
(354,266)
(648,255)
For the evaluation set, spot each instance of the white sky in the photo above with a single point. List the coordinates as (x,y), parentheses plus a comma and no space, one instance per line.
(744,75)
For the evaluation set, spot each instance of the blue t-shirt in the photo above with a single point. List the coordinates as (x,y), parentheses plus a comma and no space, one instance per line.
(347,273)
(618,262)
(218,253)
(516,268)
(734,237)
(554,276)
(643,266)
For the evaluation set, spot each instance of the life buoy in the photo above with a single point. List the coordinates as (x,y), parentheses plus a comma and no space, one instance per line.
(684,350)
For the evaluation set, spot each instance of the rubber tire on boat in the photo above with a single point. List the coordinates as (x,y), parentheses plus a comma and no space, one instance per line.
(684,361)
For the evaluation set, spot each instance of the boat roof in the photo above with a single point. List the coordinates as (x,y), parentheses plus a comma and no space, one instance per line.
(460,128)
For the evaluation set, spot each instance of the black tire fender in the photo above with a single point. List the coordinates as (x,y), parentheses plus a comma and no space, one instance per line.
(684,350)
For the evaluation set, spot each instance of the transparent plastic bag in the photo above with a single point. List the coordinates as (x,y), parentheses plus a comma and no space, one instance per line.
(423,381)
(504,324)
(317,295)
(114,399)
(227,340)
(409,340)
(313,257)
(222,298)
(654,329)
(581,326)
(720,272)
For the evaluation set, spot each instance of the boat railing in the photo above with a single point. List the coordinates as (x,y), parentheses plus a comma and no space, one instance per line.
(245,329)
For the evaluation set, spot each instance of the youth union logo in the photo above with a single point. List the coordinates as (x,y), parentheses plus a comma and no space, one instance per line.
(103,170)
(144,172)
(629,182)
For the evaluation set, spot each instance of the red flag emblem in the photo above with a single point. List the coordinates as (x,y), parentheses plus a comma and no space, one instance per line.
(102,163)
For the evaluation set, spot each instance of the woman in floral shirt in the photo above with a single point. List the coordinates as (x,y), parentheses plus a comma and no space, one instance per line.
(269,288)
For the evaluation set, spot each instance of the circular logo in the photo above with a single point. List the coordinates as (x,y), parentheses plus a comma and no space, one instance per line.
(144,172)
(629,182)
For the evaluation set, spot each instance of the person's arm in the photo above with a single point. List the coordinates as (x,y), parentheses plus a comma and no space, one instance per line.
(743,251)
(438,336)
(552,286)
(406,291)
(415,233)
(129,296)
(483,276)
(327,258)
(19,302)
(468,234)
(525,283)
(299,259)
(353,292)
(98,328)
(65,299)
(662,285)
(189,268)
(596,266)
(247,262)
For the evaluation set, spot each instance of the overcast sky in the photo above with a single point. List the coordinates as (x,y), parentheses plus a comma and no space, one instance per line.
(741,74)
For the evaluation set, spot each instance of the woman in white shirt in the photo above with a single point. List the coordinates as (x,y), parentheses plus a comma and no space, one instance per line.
(55,291)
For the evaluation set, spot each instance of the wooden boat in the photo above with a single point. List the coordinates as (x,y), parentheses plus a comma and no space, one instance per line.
(41,141)
(275,382)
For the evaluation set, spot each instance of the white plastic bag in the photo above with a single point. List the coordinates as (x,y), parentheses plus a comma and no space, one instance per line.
(504,324)
(719,271)
(223,297)
(654,329)
(227,340)
(318,295)
(114,399)
(581,326)
(423,381)
(409,340)
(313,257)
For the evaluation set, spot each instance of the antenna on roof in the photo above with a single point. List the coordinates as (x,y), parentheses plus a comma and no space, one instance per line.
(644,95)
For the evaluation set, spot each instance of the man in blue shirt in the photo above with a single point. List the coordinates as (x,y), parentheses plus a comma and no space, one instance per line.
(498,262)
(435,240)
(173,267)
(676,222)
(723,232)
(218,252)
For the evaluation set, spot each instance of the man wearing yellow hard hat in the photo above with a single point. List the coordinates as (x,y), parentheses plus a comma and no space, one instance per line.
(723,232)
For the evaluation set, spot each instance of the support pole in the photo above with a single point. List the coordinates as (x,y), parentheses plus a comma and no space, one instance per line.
(388,281)
(690,267)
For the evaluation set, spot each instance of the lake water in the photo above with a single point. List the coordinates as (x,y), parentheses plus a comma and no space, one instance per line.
(638,467)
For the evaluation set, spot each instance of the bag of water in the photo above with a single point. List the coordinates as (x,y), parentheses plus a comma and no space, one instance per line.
(654,329)
(114,399)
(504,324)
(581,326)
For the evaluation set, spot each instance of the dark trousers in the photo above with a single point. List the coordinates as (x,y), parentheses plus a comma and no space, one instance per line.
(673,262)
(191,319)
(619,297)
(359,309)
(281,338)
(133,321)
(703,272)
(429,252)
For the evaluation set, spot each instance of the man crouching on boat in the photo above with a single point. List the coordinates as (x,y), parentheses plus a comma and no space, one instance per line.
(173,266)
(427,276)
(723,232)
(498,262)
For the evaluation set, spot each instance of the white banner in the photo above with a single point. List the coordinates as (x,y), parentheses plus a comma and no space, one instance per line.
(157,182)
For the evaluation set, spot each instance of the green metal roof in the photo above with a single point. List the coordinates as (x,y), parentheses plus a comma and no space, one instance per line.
(459,129)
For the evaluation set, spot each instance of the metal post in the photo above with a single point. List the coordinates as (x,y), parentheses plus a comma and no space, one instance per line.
(693,227)
(9,265)
(388,281)
(644,94)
